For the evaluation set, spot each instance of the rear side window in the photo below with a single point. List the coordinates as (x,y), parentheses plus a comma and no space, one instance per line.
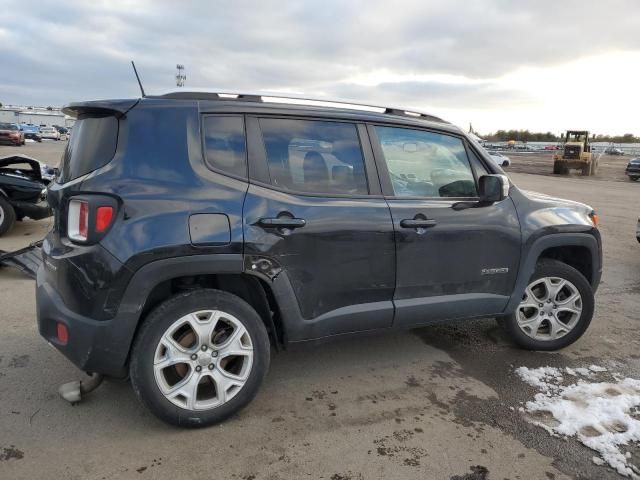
(309,156)
(225,148)
(92,145)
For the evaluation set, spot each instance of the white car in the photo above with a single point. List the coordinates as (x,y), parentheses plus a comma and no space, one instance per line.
(50,133)
(501,160)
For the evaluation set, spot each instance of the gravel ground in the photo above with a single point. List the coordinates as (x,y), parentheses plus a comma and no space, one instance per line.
(439,402)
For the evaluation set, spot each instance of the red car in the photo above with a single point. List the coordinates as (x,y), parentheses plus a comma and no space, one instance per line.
(11,133)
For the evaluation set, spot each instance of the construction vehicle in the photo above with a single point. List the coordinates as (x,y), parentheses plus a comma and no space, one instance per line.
(575,153)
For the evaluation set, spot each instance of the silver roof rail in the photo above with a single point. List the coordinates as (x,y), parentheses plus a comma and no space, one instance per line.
(299,100)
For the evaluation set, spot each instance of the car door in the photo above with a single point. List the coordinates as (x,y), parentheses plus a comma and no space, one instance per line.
(452,261)
(316,222)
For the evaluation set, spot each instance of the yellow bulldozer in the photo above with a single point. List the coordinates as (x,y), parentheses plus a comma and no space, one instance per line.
(575,153)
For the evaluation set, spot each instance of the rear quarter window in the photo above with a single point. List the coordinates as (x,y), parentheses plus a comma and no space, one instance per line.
(225,148)
(92,145)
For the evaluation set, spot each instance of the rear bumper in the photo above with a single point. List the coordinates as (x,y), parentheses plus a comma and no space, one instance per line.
(91,345)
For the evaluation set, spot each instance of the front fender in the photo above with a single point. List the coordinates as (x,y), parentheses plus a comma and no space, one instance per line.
(532,253)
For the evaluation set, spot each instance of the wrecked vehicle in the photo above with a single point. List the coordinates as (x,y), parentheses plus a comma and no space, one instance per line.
(23,190)
(196,232)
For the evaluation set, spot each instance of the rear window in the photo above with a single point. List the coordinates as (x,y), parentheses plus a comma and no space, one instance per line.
(92,145)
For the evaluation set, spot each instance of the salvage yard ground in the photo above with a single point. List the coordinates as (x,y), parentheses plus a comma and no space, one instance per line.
(444,402)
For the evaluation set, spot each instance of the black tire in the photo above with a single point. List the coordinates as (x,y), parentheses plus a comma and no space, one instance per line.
(633,179)
(554,268)
(7,215)
(154,326)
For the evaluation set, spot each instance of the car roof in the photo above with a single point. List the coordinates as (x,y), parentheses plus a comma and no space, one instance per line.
(262,103)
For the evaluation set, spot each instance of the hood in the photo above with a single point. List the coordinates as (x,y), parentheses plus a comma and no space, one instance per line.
(550,201)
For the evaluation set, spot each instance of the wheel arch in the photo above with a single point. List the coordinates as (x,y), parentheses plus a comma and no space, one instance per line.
(581,251)
(160,279)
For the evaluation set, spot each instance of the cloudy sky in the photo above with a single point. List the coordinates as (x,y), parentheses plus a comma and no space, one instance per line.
(536,64)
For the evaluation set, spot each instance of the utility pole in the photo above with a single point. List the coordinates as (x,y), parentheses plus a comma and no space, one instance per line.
(180,76)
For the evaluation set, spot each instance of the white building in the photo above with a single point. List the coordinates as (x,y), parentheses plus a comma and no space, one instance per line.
(35,115)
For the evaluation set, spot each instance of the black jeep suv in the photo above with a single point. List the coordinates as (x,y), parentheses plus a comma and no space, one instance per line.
(194,232)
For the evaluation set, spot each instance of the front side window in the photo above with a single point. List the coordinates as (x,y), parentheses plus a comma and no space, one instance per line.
(225,147)
(426,164)
(310,156)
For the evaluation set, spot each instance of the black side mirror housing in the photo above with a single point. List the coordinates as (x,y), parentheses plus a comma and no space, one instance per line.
(493,188)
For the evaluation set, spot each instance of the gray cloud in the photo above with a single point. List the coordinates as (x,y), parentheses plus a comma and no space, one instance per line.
(52,52)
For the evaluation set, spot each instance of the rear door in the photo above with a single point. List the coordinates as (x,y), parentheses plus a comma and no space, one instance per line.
(451,263)
(315,215)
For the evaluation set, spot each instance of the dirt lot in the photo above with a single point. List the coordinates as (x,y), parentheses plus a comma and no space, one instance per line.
(610,167)
(435,403)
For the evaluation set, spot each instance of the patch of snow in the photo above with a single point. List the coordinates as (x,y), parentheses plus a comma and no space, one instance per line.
(29,140)
(600,415)
(541,378)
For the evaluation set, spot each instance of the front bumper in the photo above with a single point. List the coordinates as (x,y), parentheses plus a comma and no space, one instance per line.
(35,211)
(93,345)
(633,170)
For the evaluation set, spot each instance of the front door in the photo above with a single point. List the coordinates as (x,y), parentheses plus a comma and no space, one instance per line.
(318,224)
(451,262)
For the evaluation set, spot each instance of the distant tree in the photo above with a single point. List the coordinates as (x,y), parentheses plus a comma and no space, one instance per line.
(626,138)
(0,104)
(521,135)
(49,108)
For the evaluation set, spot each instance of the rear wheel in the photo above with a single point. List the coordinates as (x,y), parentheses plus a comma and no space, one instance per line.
(555,310)
(634,179)
(199,358)
(7,216)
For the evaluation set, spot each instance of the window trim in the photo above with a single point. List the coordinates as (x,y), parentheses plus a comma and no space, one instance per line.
(259,173)
(203,147)
(383,169)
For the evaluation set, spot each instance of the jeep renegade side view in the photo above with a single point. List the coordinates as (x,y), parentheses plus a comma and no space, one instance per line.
(194,232)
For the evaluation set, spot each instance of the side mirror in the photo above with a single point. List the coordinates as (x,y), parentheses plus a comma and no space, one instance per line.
(493,188)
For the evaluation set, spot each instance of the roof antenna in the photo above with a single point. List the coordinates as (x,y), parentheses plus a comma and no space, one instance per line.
(138,77)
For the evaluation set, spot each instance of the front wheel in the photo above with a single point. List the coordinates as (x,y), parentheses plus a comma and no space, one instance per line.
(555,310)
(199,358)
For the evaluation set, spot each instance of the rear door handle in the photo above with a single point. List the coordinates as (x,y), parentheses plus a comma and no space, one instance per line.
(417,223)
(282,222)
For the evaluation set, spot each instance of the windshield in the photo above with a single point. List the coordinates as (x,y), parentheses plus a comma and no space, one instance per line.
(8,126)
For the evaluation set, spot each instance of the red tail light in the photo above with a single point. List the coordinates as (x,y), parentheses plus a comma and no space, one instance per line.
(104,215)
(89,218)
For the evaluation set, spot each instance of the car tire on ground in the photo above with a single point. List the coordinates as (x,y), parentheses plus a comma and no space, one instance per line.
(556,308)
(634,179)
(7,215)
(199,358)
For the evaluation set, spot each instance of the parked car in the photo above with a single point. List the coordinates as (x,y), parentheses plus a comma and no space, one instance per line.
(23,190)
(613,151)
(31,132)
(10,133)
(500,159)
(49,133)
(64,133)
(633,169)
(181,257)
